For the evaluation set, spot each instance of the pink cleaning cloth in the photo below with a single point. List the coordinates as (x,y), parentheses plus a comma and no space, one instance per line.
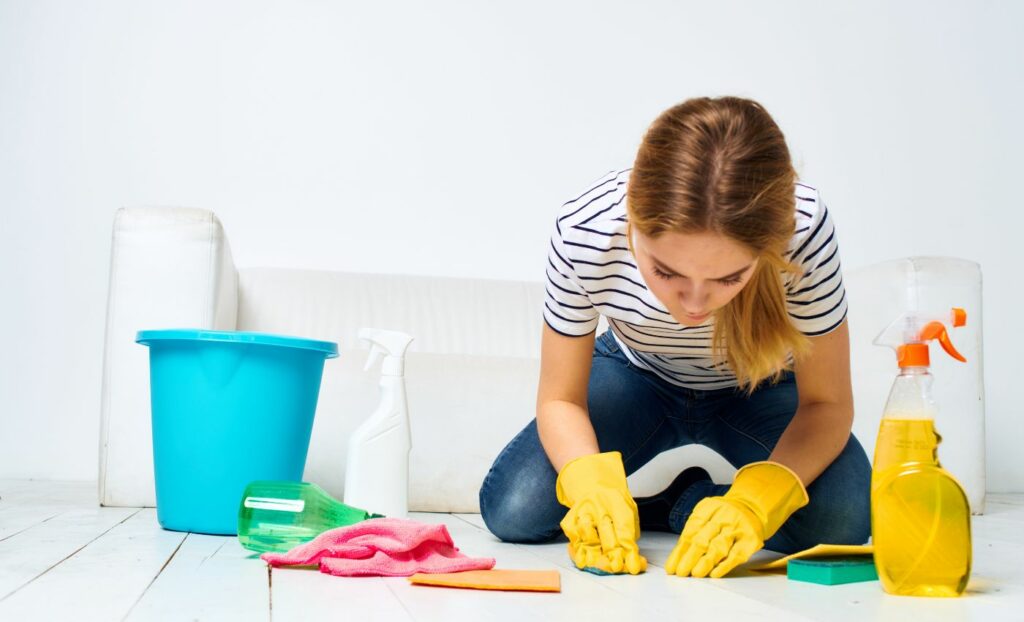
(381,547)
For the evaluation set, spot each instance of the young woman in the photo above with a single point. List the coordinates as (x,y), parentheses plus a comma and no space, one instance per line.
(718,273)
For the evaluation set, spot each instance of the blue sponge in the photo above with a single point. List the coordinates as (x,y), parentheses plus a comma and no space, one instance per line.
(597,571)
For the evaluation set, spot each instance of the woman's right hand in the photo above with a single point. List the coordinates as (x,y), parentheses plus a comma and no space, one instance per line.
(602,523)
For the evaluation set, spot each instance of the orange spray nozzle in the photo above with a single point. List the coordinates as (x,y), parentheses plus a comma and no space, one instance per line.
(936,330)
(910,334)
(959,317)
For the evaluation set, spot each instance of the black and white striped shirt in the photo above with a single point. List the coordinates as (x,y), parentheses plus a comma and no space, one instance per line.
(591,272)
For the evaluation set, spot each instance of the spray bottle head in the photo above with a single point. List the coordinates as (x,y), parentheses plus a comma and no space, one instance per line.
(910,333)
(389,344)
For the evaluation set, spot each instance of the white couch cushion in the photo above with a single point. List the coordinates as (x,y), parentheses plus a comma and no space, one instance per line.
(471,373)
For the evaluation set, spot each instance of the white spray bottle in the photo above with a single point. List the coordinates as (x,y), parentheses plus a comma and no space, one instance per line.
(377,470)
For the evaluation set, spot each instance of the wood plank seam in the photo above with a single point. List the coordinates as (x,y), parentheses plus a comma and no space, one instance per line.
(31,526)
(69,556)
(210,556)
(157,575)
(401,603)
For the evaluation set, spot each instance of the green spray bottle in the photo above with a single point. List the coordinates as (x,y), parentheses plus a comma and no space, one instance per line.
(277,516)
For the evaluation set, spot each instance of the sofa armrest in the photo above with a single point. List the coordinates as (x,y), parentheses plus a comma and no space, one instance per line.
(170,267)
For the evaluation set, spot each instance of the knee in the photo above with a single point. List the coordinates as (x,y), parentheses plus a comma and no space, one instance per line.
(843,518)
(839,511)
(519,513)
(844,506)
(828,519)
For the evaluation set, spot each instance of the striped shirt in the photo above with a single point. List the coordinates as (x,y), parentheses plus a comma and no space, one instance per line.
(591,272)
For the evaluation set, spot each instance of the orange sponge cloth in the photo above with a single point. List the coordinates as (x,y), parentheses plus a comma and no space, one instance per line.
(516,580)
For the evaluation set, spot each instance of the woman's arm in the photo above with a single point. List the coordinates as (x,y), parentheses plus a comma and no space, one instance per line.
(562,419)
(824,417)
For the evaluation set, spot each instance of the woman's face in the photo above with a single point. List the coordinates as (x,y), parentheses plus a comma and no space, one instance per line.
(693,274)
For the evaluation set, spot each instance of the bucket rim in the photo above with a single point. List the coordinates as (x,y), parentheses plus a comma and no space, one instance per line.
(146,337)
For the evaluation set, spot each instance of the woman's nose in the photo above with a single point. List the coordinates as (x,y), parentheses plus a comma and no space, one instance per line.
(694,299)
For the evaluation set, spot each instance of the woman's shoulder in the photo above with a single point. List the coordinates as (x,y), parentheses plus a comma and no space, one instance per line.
(811,217)
(591,227)
(808,202)
(602,200)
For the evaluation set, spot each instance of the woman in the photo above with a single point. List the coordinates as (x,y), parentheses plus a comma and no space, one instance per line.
(718,273)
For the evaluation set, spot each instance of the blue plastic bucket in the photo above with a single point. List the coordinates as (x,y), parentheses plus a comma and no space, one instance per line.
(228,408)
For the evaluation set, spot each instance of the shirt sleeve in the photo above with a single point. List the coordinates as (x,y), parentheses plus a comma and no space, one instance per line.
(816,299)
(567,309)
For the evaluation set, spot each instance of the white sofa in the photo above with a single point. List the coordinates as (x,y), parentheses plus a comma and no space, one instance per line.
(471,372)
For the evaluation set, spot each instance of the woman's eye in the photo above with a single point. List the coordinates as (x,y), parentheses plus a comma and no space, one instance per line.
(665,275)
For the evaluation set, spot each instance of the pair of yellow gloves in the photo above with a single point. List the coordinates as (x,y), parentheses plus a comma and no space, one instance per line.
(603,524)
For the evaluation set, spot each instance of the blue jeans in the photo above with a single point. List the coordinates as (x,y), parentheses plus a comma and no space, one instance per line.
(638,414)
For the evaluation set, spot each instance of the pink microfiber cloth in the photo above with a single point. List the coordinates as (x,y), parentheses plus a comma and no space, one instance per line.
(381,547)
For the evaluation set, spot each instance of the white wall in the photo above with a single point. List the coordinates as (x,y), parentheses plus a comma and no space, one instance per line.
(439,137)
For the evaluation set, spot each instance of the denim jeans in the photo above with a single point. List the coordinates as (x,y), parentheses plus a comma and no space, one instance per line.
(640,415)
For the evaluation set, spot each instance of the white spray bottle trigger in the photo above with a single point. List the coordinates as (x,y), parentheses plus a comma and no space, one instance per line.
(389,344)
(375,355)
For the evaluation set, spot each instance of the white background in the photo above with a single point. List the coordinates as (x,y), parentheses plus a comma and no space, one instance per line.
(440,137)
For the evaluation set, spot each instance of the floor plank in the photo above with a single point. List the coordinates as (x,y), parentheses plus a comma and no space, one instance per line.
(208,578)
(27,503)
(102,580)
(31,553)
(308,594)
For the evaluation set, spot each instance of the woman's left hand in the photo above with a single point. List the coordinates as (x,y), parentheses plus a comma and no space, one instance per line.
(723,532)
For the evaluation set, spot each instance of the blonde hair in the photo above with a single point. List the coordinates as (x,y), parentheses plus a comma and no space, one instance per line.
(722,165)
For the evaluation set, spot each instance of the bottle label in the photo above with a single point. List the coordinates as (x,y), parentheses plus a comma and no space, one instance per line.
(906,440)
(277,505)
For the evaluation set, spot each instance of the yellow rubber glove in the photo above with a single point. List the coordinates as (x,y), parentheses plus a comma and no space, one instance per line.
(723,532)
(602,523)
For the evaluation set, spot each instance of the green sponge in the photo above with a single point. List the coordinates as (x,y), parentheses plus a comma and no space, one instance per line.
(833,570)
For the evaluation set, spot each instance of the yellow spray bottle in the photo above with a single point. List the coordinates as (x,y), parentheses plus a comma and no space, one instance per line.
(920,517)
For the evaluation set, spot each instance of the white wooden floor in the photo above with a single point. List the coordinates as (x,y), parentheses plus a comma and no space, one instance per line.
(64,558)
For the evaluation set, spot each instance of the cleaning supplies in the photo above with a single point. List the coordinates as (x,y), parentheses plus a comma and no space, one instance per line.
(507,580)
(377,469)
(278,515)
(920,517)
(381,547)
(816,552)
(826,564)
(228,407)
(833,570)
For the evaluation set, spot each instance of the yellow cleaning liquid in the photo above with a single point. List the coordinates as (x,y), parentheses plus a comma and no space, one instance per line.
(921,520)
